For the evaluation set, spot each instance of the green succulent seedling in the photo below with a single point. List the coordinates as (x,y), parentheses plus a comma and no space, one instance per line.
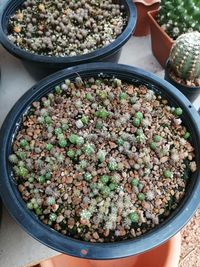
(134,217)
(102,113)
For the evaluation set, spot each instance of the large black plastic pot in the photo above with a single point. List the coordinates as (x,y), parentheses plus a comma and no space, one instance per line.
(38,63)
(59,242)
(190,92)
(0,211)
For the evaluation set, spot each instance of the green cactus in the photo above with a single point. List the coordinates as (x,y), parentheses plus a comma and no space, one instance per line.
(179,16)
(185,56)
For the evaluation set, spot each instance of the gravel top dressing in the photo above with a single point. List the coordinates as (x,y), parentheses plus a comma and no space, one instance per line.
(102,160)
(65,27)
(189,83)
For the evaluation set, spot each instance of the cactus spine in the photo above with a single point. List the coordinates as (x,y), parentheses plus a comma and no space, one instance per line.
(185,56)
(179,16)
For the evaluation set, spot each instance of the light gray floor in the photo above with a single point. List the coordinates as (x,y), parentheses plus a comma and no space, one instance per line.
(17,248)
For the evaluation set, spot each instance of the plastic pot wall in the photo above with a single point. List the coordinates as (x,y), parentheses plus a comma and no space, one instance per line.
(108,53)
(0,211)
(43,233)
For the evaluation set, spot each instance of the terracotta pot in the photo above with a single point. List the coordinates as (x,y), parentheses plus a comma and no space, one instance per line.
(143,7)
(166,255)
(161,43)
(65,261)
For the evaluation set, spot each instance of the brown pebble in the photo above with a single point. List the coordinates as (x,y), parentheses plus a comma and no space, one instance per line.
(95,179)
(17,29)
(158,202)
(77,184)
(106,233)
(55,207)
(21,188)
(84,222)
(69,180)
(63,180)
(129,189)
(76,200)
(41,7)
(85,190)
(130,90)
(94,87)
(71,223)
(95,235)
(122,232)
(58,100)
(164,159)
(146,205)
(59,218)
(119,218)
(112,145)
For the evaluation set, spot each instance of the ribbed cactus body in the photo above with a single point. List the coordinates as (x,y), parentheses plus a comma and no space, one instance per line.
(179,16)
(185,56)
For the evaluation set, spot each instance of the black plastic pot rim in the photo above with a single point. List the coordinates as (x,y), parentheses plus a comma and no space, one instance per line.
(93,56)
(70,246)
(188,89)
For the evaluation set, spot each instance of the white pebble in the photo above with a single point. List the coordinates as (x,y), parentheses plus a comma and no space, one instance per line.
(79,124)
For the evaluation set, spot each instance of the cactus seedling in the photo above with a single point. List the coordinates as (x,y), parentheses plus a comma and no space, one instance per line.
(134,217)
(85,215)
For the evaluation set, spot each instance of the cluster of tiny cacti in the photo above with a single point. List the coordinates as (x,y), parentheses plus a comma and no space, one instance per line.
(65,27)
(108,211)
(179,16)
(185,56)
(88,156)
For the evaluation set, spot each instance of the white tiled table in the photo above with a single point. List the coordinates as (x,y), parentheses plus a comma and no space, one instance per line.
(17,248)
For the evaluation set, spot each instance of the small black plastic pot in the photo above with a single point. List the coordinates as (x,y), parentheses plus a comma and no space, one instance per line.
(43,233)
(46,64)
(190,92)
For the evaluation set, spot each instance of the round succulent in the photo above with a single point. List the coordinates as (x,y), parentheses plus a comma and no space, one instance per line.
(185,56)
(87,176)
(167,174)
(88,149)
(134,217)
(135,182)
(102,113)
(53,217)
(112,165)
(71,153)
(101,155)
(51,201)
(105,179)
